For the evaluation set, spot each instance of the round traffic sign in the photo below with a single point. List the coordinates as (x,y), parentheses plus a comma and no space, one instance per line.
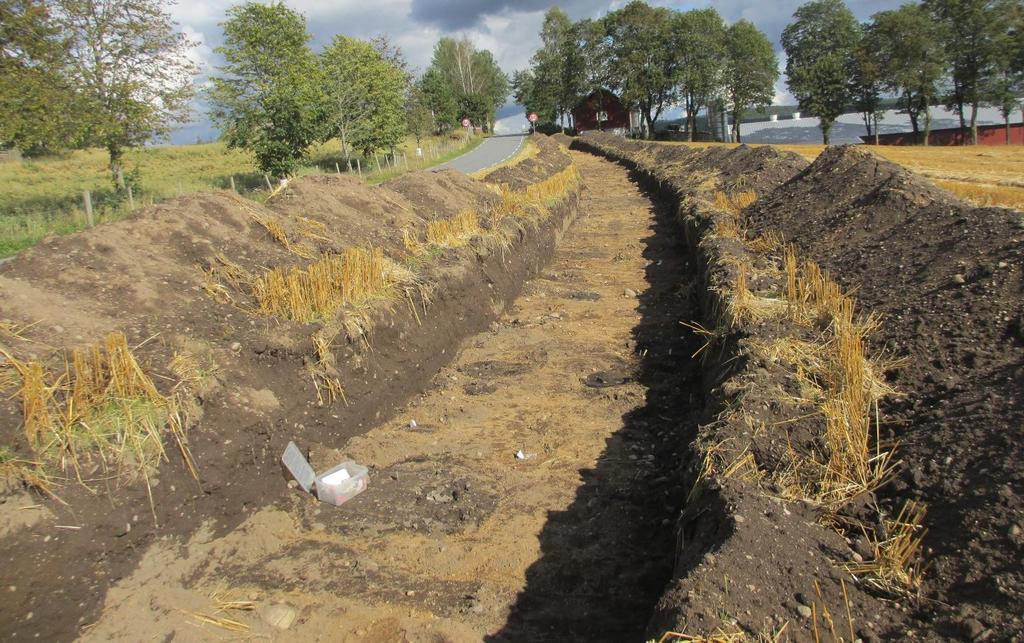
(465,122)
(532,117)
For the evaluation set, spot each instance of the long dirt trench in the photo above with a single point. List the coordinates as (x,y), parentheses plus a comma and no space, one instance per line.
(588,375)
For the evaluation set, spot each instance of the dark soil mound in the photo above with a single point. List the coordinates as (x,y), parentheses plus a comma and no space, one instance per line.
(948,279)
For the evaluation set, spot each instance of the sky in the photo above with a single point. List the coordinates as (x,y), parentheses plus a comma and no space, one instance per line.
(509,29)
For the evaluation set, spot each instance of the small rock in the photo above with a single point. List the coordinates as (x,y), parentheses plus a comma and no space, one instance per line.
(974,627)
(804,611)
(410,593)
(959,279)
(367,565)
(235,346)
(857,558)
(629,292)
(292,484)
(279,615)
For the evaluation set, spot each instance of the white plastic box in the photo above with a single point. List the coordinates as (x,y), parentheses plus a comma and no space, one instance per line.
(340,484)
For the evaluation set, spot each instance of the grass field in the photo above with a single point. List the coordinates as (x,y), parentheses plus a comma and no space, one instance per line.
(44,196)
(984,175)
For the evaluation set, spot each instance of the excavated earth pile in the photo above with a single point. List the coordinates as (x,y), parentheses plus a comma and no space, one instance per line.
(857,471)
(239,326)
(947,279)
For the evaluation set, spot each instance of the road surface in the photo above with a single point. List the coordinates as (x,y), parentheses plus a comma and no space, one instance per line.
(492,151)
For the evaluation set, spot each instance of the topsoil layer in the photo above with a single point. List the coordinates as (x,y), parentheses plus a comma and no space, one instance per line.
(145,276)
(946,278)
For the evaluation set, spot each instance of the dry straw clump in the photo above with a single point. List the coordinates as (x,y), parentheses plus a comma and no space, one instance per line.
(455,231)
(535,201)
(895,567)
(317,291)
(102,409)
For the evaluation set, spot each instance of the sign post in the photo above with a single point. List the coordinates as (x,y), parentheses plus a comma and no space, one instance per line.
(532,117)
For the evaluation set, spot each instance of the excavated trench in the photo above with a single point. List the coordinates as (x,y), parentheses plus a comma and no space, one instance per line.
(607,557)
(534,498)
(551,482)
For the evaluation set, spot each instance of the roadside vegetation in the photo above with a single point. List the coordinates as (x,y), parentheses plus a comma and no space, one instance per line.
(283,109)
(43,196)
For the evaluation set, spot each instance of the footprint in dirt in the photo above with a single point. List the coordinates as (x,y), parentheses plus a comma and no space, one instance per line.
(495,368)
(605,379)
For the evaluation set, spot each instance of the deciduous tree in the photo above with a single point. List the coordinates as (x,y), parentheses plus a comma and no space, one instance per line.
(594,55)
(910,50)
(365,88)
(820,45)
(971,28)
(751,70)
(473,79)
(644,64)
(36,102)
(130,68)
(698,42)
(867,82)
(269,98)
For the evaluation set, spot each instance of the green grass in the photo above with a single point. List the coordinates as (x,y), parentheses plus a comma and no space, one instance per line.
(44,196)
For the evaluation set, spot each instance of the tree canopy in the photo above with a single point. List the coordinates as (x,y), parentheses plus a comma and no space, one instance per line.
(751,69)
(644,65)
(269,97)
(909,47)
(471,78)
(820,45)
(365,88)
(107,73)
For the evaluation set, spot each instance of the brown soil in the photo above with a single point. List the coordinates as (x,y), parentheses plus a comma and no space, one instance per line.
(144,276)
(608,527)
(948,279)
(455,538)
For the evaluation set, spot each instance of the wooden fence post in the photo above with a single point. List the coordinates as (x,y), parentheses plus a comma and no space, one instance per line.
(232,179)
(266,177)
(377,158)
(87,198)
(350,166)
(359,166)
(131,198)
(337,167)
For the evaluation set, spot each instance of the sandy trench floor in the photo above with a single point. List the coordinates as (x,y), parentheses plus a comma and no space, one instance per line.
(450,540)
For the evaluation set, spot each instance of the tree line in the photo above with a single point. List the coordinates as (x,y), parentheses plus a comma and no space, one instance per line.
(116,74)
(654,58)
(963,54)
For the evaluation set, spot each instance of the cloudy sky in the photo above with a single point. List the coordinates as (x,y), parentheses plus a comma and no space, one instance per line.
(509,29)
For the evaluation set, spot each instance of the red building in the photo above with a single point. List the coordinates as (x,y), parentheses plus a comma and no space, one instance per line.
(602,107)
(987,135)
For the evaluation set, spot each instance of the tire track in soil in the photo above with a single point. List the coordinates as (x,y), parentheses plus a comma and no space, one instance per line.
(456,538)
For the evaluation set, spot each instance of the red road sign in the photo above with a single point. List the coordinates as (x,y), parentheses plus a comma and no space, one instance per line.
(532,117)
(465,122)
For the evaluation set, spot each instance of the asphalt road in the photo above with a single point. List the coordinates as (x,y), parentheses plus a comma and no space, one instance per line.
(492,151)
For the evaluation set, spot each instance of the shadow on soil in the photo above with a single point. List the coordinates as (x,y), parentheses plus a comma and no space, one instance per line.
(606,560)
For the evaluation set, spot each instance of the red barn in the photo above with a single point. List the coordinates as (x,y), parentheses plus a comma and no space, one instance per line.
(987,135)
(600,106)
